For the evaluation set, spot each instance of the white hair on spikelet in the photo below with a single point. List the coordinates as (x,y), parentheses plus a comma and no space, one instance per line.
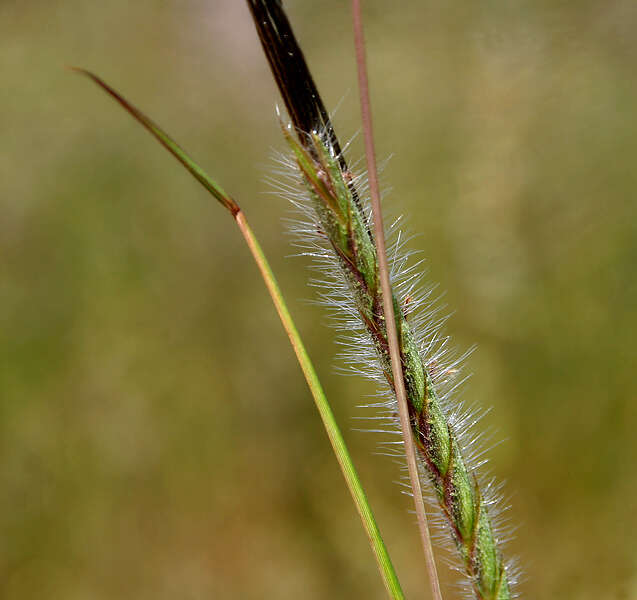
(426,315)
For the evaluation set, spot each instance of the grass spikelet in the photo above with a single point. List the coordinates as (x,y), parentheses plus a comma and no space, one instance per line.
(338,235)
(428,370)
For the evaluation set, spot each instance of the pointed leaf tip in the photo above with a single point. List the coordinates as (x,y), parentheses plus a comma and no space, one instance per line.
(165,140)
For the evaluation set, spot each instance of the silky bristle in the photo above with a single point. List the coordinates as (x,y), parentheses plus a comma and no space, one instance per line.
(425,312)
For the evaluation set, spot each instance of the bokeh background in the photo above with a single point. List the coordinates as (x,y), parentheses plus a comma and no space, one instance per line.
(156,437)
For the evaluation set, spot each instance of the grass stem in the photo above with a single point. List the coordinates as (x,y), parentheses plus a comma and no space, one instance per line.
(388,308)
(333,432)
(385,566)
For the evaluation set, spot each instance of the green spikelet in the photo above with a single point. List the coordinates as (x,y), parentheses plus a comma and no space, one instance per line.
(341,219)
(457,491)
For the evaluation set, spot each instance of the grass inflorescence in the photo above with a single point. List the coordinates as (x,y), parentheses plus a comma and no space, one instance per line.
(343,226)
(338,233)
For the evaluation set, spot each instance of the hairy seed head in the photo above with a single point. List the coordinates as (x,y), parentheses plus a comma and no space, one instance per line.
(339,235)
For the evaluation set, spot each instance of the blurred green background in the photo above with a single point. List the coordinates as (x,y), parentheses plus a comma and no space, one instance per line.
(156,437)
